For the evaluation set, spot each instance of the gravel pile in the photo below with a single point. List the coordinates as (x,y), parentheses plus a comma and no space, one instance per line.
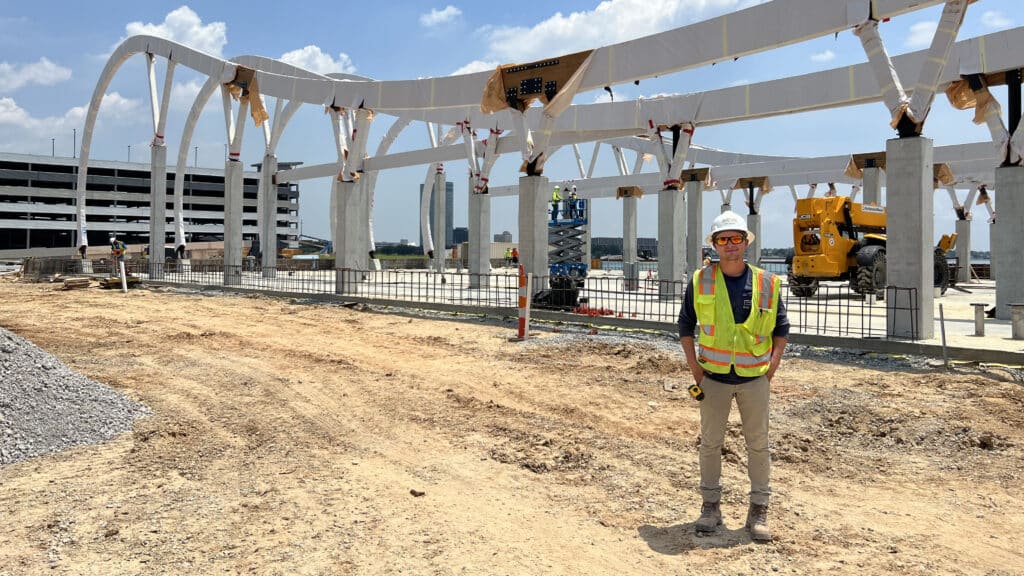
(46,407)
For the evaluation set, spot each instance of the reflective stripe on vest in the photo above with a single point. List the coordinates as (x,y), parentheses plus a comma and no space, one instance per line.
(707,280)
(741,360)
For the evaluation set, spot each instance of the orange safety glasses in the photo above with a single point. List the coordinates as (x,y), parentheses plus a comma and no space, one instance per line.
(723,240)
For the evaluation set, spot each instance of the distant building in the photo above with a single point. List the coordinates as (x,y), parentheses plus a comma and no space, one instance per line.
(449,214)
(505,237)
(606,245)
(647,247)
(38,197)
(460,235)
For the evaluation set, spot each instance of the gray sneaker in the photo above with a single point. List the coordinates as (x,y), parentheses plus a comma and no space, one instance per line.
(757,523)
(710,518)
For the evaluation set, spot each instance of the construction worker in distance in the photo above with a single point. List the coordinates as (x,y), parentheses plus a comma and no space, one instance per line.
(117,253)
(742,334)
(508,256)
(555,199)
(515,256)
(572,203)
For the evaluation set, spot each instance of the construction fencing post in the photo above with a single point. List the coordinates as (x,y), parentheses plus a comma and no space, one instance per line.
(124,278)
(525,282)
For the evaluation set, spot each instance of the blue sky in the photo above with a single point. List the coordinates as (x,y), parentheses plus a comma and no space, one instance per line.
(51,55)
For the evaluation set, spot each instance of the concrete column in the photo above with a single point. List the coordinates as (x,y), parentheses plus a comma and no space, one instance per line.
(346,237)
(232,223)
(1009,275)
(359,222)
(909,251)
(157,209)
(479,237)
(991,249)
(438,225)
(671,242)
(629,230)
(534,199)
(754,248)
(630,268)
(268,216)
(872,186)
(963,250)
(335,213)
(694,226)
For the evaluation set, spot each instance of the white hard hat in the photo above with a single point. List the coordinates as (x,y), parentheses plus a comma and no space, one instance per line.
(557,188)
(729,220)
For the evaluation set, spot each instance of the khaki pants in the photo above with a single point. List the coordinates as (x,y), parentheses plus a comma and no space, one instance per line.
(752,400)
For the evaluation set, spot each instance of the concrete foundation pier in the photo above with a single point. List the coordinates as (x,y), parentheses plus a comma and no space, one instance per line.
(909,250)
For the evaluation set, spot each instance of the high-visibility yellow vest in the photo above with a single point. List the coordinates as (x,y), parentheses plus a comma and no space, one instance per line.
(722,342)
(555,196)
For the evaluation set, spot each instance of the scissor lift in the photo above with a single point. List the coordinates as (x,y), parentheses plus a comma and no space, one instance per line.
(566,241)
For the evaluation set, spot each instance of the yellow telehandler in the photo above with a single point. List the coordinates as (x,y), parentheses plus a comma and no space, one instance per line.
(835,238)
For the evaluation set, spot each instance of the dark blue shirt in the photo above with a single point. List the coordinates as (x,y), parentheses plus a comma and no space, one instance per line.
(741,294)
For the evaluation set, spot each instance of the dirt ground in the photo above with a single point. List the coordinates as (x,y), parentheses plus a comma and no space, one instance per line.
(290,438)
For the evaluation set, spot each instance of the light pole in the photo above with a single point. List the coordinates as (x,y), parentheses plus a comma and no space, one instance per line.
(195,158)
(74,142)
(53,147)
(129,152)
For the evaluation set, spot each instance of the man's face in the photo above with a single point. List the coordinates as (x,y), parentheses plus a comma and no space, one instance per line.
(730,245)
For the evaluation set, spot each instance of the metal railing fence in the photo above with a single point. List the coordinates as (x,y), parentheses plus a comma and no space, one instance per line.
(834,309)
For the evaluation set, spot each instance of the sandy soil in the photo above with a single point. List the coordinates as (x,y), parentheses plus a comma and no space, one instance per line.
(289,438)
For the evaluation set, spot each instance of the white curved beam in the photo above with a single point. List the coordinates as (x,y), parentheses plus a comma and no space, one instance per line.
(833,88)
(674,50)
(202,97)
(969,159)
(371,185)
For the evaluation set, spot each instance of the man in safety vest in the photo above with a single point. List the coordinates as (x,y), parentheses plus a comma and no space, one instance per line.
(555,199)
(117,249)
(742,334)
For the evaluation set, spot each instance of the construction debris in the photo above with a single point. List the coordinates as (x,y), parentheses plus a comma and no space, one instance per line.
(73,283)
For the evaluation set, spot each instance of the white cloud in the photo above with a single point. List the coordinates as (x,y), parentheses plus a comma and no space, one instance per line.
(435,17)
(19,129)
(921,35)
(43,72)
(612,21)
(826,56)
(477,66)
(14,116)
(186,27)
(994,19)
(313,59)
(184,94)
(120,109)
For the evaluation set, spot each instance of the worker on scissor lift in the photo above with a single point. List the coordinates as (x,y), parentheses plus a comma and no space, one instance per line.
(572,211)
(555,199)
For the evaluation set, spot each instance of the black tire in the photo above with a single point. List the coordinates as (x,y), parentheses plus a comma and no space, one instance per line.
(804,290)
(941,275)
(871,271)
(798,285)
